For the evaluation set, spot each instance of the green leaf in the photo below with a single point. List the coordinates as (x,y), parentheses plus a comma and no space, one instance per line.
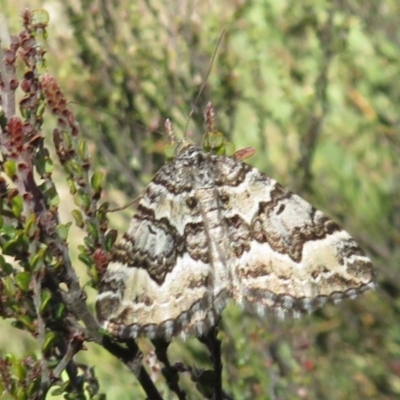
(18,243)
(19,370)
(26,322)
(86,259)
(23,280)
(33,388)
(110,239)
(40,16)
(61,389)
(37,261)
(82,200)
(97,181)
(17,205)
(30,226)
(52,196)
(71,185)
(77,215)
(67,138)
(9,286)
(63,230)
(83,150)
(49,340)
(92,230)
(94,274)
(45,300)
(10,168)
(213,140)
(40,109)
(59,313)
(44,165)
(5,266)
(21,394)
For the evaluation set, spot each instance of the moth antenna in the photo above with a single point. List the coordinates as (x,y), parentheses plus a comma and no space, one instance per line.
(124,207)
(204,81)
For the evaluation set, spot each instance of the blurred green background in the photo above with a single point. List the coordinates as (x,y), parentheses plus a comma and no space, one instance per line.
(314,87)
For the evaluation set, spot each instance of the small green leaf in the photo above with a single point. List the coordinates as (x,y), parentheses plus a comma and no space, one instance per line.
(18,243)
(40,109)
(110,239)
(49,340)
(33,388)
(92,230)
(5,266)
(71,185)
(37,261)
(10,358)
(30,226)
(94,274)
(46,298)
(19,370)
(86,259)
(52,196)
(74,169)
(97,181)
(61,389)
(213,140)
(82,200)
(63,230)
(21,394)
(26,113)
(9,286)
(17,205)
(78,218)
(77,169)
(67,138)
(40,16)
(10,168)
(23,279)
(25,321)
(89,242)
(59,313)
(83,150)
(229,149)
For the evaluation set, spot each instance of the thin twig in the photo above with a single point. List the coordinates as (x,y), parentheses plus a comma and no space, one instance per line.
(205,79)
(73,347)
(214,346)
(37,300)
(169,372)
(7,94)
(132,358)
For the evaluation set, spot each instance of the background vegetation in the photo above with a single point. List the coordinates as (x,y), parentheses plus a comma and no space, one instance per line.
(314,87)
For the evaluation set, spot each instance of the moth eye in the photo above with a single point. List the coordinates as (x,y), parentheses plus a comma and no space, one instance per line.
(191,202)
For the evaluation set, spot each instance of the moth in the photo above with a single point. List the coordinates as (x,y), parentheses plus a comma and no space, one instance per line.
(210,228)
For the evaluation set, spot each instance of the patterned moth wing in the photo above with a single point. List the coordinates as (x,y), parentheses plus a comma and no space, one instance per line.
(168,275)
(211,227)
(287,256)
